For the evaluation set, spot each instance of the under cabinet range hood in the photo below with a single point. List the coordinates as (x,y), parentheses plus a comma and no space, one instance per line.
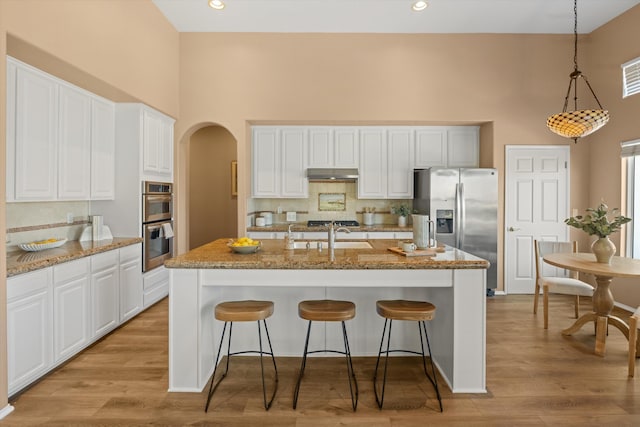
(332,174)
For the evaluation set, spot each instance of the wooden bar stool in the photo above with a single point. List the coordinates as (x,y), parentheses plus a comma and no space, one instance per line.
(244,311)
(328,311)
(419,311)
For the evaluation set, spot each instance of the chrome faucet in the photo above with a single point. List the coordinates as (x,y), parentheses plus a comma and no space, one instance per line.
(332,234)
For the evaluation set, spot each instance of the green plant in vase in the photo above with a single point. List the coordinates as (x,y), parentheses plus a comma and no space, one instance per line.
(600,222)
(403,211)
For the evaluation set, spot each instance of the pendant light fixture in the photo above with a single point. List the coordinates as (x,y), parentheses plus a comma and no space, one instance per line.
(577,123)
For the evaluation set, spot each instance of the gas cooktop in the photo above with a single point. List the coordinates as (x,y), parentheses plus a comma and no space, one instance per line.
(338,222)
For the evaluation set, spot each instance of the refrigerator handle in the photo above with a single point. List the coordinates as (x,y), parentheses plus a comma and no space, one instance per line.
(458,216)
(461,215)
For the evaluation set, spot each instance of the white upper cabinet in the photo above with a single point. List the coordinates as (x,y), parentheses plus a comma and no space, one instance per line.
(400,163)
(74,144)
(279,162)
(103,124)
(372,171)
(293,148)
(321,147)
(386,163)
(53,130)
(266,162)
(346,147)
(36,136)
(385,156)
(157,143)
(333,147)
(463,150)
(431,147)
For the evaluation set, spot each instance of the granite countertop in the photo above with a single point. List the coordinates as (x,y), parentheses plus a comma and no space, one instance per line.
(20,261)
(302,226)
(273,255)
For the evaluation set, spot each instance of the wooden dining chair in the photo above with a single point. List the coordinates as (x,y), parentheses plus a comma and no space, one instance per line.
(558,285)
(633,340)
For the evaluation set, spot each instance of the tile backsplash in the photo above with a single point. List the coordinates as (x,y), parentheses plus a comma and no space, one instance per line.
(27,222)
(309,208)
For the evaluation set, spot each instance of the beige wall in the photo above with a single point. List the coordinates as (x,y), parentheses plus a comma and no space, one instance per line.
(507,83)
(120,49)
(609,47)
(213,211)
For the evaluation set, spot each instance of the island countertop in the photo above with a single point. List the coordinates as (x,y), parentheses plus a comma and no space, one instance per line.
(273,255)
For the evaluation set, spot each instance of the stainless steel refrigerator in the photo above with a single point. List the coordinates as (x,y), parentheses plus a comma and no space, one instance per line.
(463,203)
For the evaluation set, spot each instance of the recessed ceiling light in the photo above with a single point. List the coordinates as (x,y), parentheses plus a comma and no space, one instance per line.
(216,4)
(419,6)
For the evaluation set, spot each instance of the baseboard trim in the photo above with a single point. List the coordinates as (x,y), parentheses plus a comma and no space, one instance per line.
(6,411)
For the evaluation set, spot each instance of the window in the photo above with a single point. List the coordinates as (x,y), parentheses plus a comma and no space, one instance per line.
(631,152)
(631,78)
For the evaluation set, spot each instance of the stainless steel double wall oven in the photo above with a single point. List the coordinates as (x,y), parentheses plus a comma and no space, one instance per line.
(157,223)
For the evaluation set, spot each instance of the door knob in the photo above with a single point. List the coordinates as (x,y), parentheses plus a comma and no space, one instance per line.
(513,229)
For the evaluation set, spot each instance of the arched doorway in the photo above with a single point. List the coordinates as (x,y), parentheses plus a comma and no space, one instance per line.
(212,207)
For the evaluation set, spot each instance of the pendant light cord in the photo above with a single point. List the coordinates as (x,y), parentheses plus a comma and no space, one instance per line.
(575,35)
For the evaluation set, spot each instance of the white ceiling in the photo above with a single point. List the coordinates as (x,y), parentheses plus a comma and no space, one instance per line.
(392,16)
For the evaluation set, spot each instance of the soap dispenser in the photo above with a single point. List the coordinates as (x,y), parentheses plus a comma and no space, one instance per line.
(289,241)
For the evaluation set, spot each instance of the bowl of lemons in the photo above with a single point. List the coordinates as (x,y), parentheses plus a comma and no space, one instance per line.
(245,245)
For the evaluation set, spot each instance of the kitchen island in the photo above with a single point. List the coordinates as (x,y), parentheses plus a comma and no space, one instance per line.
(453,280)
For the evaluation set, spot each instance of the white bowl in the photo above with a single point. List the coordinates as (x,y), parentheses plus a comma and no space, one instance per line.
(35,247)
(245,249)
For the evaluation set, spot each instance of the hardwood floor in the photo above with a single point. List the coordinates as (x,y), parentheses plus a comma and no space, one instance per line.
(534,377)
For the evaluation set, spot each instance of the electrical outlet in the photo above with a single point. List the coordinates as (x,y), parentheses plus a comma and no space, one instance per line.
(292,216)
(574,212)
(69,218)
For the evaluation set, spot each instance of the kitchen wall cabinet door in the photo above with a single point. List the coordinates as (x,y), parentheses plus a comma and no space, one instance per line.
(74,144)
(103,125)
(157,143)
(71,302)
(29,327)
(36,136)
(333,147)
(430,148)
(10,164)
(104,293)
(345,147)
(293,149)
(372,179)
(321,147)
(266,162)
(463,147)
(400,146)
(279,162)
(130,281)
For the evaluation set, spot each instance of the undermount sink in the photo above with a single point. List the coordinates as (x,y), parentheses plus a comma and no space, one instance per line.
(337,245)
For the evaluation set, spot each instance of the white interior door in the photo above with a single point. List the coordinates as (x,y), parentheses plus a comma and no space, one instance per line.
(536,204)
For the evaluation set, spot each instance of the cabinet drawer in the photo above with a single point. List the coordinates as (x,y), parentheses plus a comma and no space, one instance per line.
(130,252)
(104,260)
(155,278)
(28,283)
(70,270)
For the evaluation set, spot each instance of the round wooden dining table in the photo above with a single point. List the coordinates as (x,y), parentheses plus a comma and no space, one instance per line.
(602,297)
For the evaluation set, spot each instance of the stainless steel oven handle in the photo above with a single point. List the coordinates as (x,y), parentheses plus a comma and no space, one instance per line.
(153,227)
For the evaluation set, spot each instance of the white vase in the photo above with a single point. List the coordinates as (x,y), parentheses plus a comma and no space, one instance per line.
(402,221)
(603,249)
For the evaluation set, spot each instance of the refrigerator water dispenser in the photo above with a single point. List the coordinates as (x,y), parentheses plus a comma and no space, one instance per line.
(444,221)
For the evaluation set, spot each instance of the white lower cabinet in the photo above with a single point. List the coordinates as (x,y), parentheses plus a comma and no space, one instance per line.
(155,285)
(55,312)
(104,293)
(29,327)
(130,281)
(71,323)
